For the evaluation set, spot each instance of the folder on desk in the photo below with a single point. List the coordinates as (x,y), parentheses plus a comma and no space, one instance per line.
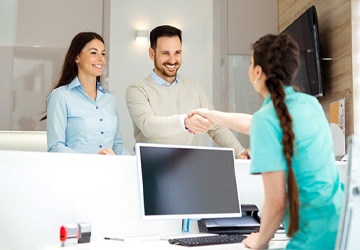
(248,223)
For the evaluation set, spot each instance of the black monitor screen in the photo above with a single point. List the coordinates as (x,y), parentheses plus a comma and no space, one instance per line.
(187,182)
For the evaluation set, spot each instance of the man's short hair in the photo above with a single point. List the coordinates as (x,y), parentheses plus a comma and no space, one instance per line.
(163,30)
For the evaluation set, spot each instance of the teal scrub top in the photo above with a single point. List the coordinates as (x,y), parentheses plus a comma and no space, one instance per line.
(320,189)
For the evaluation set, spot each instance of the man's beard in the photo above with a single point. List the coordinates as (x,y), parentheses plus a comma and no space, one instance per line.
(162,69)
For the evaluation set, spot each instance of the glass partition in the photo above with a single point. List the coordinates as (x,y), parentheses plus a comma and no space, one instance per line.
(242,97)
(32,47)
(31,73)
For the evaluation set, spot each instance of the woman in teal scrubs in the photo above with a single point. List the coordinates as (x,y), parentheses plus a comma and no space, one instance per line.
(291,146)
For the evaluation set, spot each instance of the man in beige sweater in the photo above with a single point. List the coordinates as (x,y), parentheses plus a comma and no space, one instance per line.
(158,104)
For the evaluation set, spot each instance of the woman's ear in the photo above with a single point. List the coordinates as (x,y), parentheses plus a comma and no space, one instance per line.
(258,71)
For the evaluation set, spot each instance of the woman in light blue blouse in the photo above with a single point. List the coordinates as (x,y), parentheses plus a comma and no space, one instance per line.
(291,146)
(82,117)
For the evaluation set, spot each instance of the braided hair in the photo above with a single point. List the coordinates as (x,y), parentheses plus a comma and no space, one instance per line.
(278,56)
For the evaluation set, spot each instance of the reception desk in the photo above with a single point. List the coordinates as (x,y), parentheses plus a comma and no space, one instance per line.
(41,191)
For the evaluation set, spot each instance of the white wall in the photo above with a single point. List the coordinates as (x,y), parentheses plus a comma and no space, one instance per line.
(129,61)
(8,16)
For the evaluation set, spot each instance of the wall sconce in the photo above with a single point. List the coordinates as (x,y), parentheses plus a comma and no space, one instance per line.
(141,35)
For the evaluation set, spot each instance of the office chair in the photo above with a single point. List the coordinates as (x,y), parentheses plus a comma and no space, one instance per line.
(349,227)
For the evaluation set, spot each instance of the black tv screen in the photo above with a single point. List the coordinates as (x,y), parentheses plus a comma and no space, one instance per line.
(305,30)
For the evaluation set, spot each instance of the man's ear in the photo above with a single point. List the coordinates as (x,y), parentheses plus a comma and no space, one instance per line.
(151,53)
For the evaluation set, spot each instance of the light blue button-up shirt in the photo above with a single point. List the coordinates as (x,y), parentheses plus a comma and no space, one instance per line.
(161,81)
(78,124)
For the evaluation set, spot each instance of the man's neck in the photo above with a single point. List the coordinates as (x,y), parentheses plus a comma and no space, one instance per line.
(169,80)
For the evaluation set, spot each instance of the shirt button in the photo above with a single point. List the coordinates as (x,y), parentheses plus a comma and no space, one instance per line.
(97,107)
(101,120)
(100,146)
(102,132)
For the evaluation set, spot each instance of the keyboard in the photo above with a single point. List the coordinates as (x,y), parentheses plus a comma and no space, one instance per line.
(208,240)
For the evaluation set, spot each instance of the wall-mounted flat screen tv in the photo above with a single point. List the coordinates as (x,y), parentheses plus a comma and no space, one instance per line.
(305,30)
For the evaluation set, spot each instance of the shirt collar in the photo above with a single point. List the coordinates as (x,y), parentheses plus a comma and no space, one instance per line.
(100,87)
(161,81)
(76,83)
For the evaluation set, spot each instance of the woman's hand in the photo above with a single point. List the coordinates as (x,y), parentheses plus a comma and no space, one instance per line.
(197,124)
(204,112)
(106,151)
(253,242)
(239,122)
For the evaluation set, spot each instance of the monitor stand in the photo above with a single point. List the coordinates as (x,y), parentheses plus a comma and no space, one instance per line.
(185,225)
(185,232)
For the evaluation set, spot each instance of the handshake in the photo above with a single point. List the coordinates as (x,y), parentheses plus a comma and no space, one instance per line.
(201,120)
(198,121)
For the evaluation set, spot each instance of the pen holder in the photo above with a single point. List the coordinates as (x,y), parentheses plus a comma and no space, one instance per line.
(72,234)
(84,232)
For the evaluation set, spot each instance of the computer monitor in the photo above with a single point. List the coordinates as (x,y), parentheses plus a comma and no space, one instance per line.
(187,182)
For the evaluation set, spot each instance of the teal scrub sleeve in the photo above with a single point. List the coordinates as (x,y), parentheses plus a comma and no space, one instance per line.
(266,145)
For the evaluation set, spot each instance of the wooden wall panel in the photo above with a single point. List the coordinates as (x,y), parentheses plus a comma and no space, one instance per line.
(336,42)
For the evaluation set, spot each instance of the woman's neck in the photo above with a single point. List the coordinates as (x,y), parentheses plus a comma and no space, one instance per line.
(89,85)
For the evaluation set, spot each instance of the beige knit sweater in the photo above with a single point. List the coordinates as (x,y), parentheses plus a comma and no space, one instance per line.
(155,111)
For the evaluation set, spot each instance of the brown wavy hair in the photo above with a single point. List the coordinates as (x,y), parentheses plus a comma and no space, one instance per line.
(278,56)
(70,69)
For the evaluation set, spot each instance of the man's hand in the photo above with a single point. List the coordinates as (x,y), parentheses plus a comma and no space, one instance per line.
(197,124)
(244,155)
